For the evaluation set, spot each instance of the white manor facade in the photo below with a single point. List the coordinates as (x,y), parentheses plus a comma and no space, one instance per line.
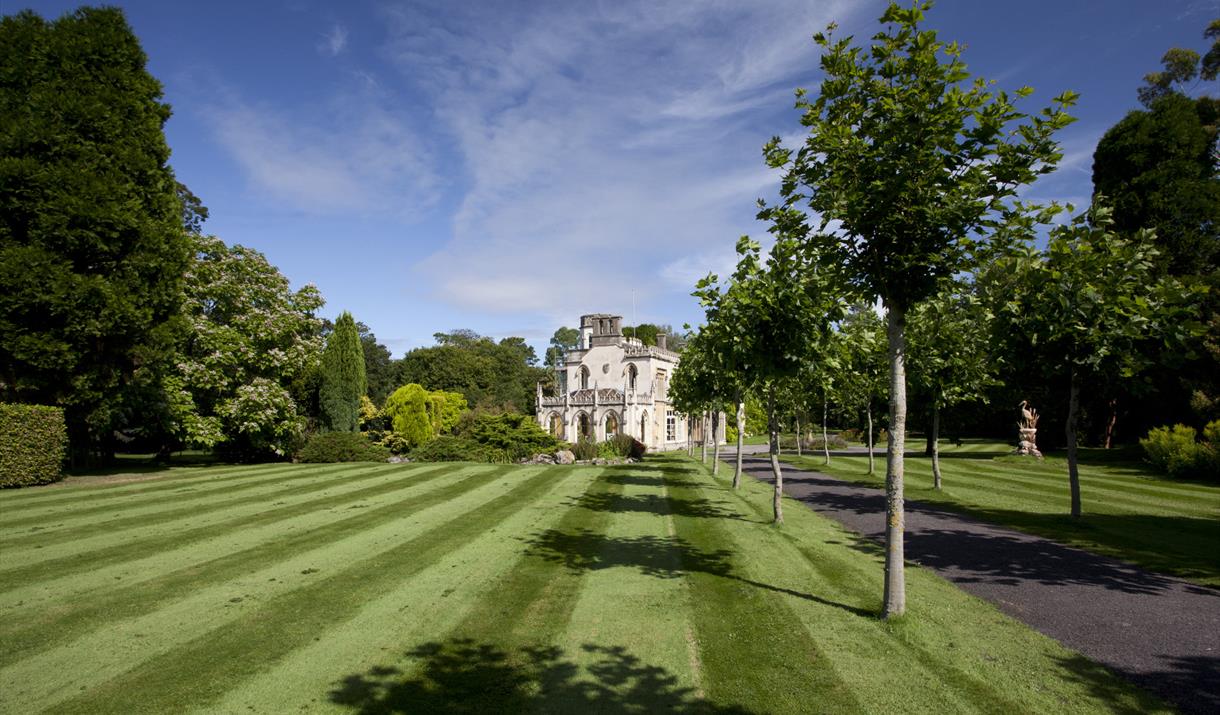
(612,385)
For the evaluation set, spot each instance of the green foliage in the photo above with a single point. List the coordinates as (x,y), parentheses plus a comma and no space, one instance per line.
(621,446)
(949,350)
(1181,66)
(645,332)
(1088,298)
(378,365)
(343,377)
(341,447)
(915,161)
(448,448)
(862,380)
(92,250)
(445,410)
(407,408)
(489,374)
(1158,169)
(33,440)
(251,339)
(585,449)
(513,434)
(1175,451)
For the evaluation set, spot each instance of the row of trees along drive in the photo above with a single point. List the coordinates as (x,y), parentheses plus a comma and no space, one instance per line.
(904,197)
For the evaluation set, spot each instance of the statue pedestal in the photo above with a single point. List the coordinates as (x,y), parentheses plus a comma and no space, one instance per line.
(1027,442)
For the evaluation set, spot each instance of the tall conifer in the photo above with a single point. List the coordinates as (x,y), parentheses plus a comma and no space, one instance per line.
(343,377)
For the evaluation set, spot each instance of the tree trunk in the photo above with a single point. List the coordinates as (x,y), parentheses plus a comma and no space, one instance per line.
(798,436)
(927,444)
(741,438)
(715,442)
(868,411)
(1070,430)
(894,599)
(773,428)
(703,441)
(936,447)
(690,445)
(1113,421)
(825,441)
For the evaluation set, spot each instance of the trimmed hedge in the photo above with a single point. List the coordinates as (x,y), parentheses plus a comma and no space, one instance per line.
(326,447)
(33,444)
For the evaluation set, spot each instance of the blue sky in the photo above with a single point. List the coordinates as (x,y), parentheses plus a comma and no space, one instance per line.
(508,166)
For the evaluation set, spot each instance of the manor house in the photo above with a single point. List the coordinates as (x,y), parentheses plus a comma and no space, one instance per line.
(613,384)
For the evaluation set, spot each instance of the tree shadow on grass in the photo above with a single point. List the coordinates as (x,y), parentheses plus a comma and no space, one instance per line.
(659,557)
(1191,684)
(654,504)
(465,676)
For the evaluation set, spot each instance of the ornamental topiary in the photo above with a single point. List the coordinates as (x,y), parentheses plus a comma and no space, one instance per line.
(33,442)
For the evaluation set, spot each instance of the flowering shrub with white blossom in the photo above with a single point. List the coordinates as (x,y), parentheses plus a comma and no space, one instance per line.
(250,337)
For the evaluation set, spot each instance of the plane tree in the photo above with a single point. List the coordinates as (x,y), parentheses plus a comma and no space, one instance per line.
(1085,302)
(911,164)
(863,378)
(951,355)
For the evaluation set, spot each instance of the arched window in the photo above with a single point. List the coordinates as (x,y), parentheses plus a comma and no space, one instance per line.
(611,425)
(584,377)
(556,425)
(586,429)
(632,374)
(643,428)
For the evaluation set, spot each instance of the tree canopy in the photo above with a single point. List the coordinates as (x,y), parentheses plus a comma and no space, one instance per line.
(92,250)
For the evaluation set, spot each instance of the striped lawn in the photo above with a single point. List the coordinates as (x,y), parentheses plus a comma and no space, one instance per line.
(1130,512)
(476,588)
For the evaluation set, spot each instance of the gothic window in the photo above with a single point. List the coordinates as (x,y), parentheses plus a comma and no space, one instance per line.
(671,426)
(556,425)
(584,377)
(632,373)
(611,425)
(585,429)
(643,425)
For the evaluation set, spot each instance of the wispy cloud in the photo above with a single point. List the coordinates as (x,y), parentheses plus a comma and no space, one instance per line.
(359,155)
(603,146)
(334,41)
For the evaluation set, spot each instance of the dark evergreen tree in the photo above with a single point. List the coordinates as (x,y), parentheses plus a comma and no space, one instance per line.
(92,251)
(343,377)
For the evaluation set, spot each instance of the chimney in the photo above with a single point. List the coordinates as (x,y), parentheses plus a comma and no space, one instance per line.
(662,341)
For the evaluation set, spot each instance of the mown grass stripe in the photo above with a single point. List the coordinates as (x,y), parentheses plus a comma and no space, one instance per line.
(840,576)
(261,637)
(139,506)
(171,480)
(142,516)
(934,649)
(419,610)
(527,608)
(51,625)
(1099,488)
(204,607)
(1047,477)
(36,545)
(725,601)
(133,548)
